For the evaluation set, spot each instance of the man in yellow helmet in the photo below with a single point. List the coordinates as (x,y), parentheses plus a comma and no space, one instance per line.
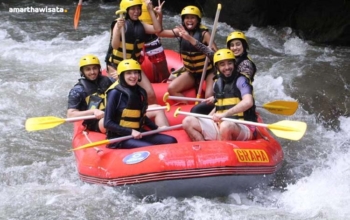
(87,96)
(234,99)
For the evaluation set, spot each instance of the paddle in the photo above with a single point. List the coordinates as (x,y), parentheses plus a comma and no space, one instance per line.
(276,107)
(292,130)
(121,15)
(41,123)
(114,140)
(77,14)
(210,45)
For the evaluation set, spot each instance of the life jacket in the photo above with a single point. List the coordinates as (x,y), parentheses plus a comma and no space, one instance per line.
(227,95)
(242,58)
(110,48)
(135,36)
(133,115)
(95,91)
(192,58)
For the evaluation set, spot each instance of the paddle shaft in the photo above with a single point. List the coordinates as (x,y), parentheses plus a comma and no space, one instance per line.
(121,15)
(114,140)
(87,117)
(223,119)
(210,45)
(190,99)
(93,116)
(123,38)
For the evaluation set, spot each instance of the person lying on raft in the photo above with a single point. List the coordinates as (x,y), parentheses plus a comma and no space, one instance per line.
(126,110)
(233,92)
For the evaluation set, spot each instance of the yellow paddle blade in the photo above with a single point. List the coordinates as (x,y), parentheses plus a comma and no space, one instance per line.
(93,144)
(281,107)
(41,123)
(293,130)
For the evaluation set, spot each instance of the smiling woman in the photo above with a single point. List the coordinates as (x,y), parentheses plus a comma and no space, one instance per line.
(193,59)
(126,110)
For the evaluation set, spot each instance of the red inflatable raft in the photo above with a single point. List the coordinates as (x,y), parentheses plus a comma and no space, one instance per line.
(185,169)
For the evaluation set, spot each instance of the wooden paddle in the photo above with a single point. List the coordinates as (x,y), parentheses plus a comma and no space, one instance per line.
(210,45)
(114,140)
(77,14)
(292,130)
(47,122)
(278,107)
(121,15)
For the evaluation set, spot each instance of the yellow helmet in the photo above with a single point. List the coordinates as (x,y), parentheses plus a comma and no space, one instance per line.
(89,60)
(236,35)
(145,16)
(223,54)
(191,10)
(128,64)
(125,4)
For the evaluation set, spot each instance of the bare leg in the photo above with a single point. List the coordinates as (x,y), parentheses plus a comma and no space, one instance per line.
(180,84)
(229,131)
(112,72)
(209,82)
(101,126)
(146,85)
(159,116)
(193,128)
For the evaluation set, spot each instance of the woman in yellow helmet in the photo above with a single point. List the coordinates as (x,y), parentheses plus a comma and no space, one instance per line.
(234,95)
(87,96)
(192,58)
(126,110)
(135,37)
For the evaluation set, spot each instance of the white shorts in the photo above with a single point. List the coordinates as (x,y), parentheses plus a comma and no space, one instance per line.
(210,131)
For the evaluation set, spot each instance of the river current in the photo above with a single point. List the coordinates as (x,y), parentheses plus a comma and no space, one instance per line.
(39,55)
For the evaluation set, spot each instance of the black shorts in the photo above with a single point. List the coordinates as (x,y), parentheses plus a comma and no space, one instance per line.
(92,125)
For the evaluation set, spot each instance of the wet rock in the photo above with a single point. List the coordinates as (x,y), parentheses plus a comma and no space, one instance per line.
(321,21)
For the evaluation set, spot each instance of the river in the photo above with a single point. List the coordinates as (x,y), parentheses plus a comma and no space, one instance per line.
(39,55)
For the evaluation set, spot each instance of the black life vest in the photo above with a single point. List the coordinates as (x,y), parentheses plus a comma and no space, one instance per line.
(227,95)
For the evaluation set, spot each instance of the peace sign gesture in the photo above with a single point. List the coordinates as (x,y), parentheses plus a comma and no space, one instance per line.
(158,9)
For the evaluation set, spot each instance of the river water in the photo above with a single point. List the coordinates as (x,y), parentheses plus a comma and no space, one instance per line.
(39,54)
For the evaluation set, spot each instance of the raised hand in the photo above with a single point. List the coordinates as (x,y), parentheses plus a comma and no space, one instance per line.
(158,9)
(149,5)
